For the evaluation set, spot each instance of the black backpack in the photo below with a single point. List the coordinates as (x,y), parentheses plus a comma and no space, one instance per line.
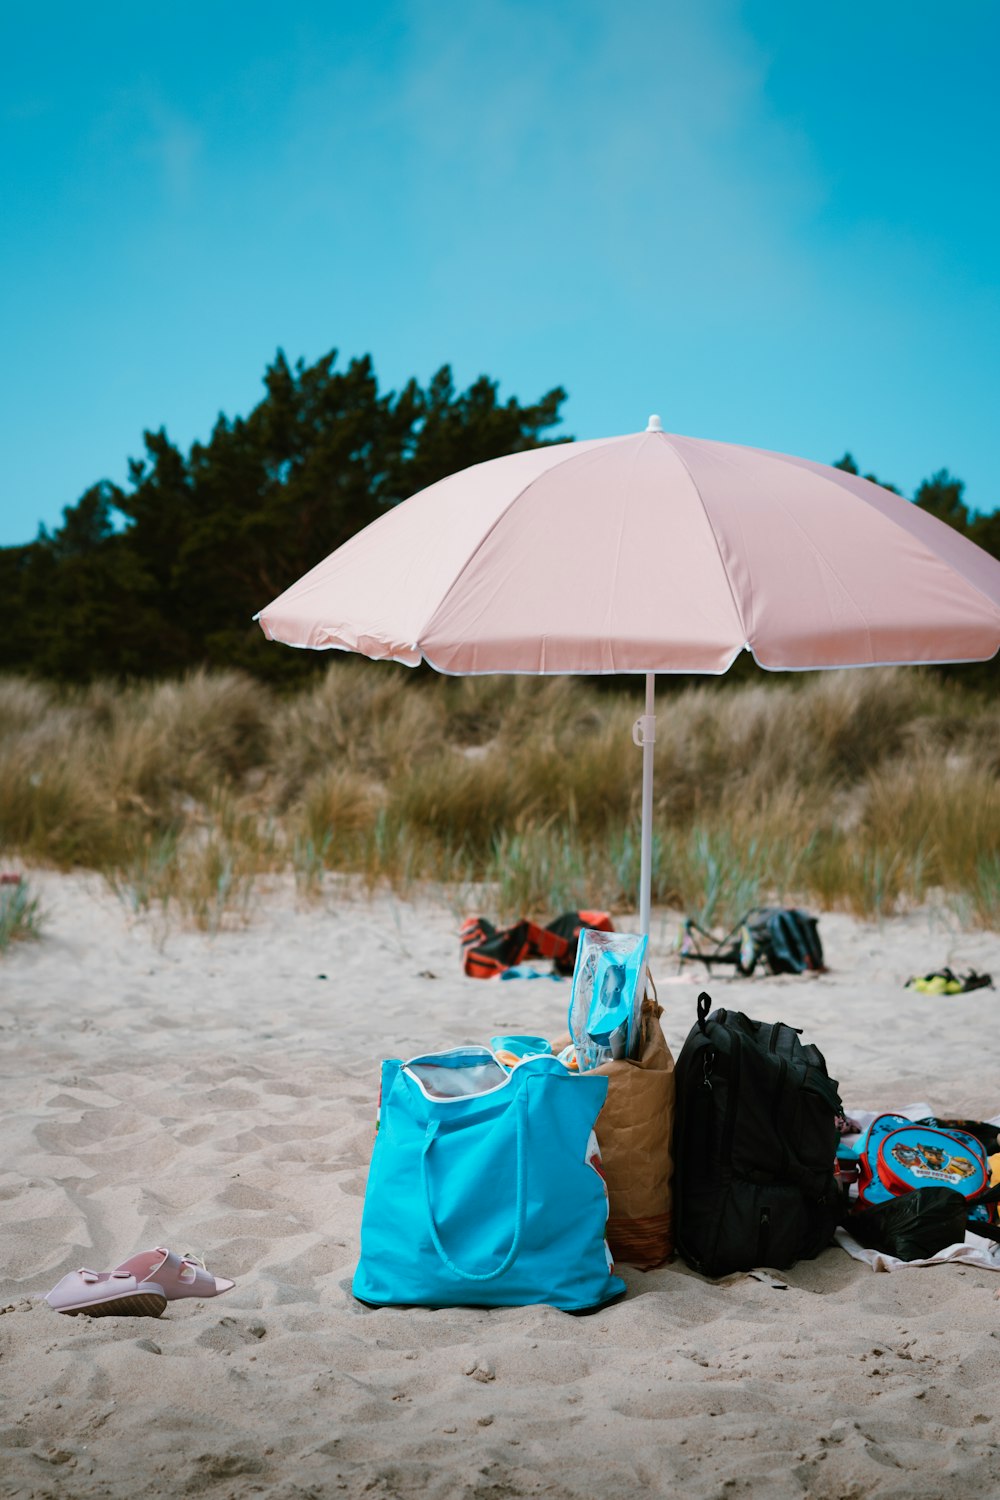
(755,1145)
(788,939)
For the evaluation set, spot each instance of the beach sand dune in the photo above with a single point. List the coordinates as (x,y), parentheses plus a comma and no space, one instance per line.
(217,1095)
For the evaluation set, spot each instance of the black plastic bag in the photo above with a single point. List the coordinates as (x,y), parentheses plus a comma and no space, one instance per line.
(913,1227)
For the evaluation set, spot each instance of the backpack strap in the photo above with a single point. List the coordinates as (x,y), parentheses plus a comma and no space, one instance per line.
(981,1227)
(989,1231)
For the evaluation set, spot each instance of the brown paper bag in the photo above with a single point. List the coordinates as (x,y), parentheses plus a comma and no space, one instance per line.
(635,1133)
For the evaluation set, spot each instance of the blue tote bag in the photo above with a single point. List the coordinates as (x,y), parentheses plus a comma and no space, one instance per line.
(481,1190)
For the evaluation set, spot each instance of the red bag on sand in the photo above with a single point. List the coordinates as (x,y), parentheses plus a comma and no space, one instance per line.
(488,950)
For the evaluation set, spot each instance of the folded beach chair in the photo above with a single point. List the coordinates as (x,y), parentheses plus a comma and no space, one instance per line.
(736,950)
(783,939)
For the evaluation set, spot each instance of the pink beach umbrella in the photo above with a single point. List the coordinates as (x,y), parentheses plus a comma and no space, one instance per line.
(649,553)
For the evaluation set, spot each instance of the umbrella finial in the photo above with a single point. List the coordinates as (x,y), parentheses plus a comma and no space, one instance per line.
(654,424)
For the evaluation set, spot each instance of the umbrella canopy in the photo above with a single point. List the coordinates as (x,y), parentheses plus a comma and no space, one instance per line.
(649,553)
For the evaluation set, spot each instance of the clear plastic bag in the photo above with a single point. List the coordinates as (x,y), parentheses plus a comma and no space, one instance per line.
(607,994)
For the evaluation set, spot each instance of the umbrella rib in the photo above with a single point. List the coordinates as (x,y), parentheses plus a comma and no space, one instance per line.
(470,557)
(897,525)
(722,562)
(892,520)
(618,550)
(758,484)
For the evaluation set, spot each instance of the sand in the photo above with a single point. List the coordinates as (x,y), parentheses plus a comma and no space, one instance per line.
(218,1095)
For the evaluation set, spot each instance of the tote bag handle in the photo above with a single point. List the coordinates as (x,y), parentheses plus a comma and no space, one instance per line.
(515,1244)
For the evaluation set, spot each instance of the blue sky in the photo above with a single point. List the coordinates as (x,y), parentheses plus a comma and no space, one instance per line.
(771,222)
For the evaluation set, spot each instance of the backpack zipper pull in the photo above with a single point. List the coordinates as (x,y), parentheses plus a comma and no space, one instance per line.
(763,1234)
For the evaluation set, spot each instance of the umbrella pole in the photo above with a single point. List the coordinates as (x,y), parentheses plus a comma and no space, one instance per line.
(644,734)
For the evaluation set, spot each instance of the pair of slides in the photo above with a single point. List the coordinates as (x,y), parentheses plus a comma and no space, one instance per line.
(140,1287)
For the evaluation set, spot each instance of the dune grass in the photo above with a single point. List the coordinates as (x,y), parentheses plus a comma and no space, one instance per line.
(864,791)
(21,919)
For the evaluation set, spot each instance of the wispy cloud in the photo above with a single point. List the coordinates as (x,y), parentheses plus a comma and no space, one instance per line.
(139,128)
(173,144)
(580,135)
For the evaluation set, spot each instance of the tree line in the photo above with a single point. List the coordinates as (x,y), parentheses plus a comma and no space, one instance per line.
(166,572)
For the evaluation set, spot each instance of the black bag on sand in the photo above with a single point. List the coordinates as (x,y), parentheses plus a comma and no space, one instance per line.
(918,1224)
(755,1145)
(913,1227)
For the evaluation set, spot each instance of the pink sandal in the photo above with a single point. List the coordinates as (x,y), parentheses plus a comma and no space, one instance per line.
(140,1287)
(103,1294)
(177,1275)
